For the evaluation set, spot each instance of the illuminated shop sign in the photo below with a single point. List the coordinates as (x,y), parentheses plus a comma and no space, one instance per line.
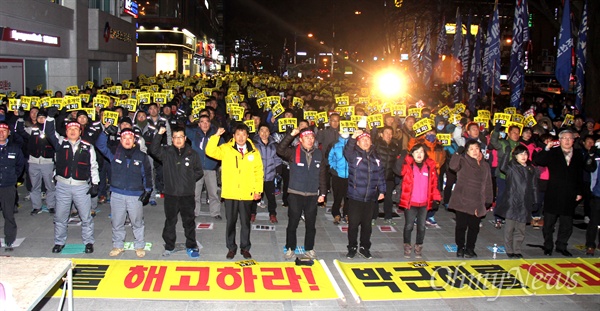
(130,7)
(15,35)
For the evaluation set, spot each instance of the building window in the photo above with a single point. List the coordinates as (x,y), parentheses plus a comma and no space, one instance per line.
(160,8)
(103,5)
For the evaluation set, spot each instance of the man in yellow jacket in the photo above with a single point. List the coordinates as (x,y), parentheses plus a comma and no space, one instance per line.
(242,182)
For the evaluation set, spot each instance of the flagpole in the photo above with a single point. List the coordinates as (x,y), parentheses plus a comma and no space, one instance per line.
(493,80)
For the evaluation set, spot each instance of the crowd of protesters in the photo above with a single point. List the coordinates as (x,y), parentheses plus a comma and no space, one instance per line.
(220,135)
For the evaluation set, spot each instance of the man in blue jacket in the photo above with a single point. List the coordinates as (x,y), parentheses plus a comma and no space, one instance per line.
(131,187)
(199,137)
(366,186)
(12,163)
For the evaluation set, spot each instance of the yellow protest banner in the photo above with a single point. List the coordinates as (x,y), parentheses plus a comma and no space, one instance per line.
(322,117)
(245,280)
(530,121)
(39,87)
(118,89)
(200,97)
(237,113)
(251,126)
(454,118)
(25,103)
(160,98)
(415,112)
(277,110)
(207,91)
(130,104)
(509,124)
(263,103)
(486,114)
(385,108)
(569,120)
(91,112)
(110,118)
(510,110)
(107,81)
(519,118)
(230,107)
(345,111)
(143,98)
(375,121)
(57,102)
(473,278)
(481,121)
(342,100)
(101,101)
(72,90)
(399,110)
(35,101)
(444,138)
(286,123)
(444,111)
(274,100)
(262,94)
(72,103)
(84,98)
(88,84)
(423,126)
(363,101)
(348,127)
(49,92)
(14,104)
(44,102)
(310,116)
(502,118)
(460,107)
(356,118)
(198,104)
(232,98)
(298,102)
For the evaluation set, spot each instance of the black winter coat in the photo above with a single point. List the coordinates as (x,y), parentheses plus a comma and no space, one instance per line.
(565,183)
(520,194)
(388,153)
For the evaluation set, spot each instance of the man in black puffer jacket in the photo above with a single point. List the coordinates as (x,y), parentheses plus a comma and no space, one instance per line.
(388,150)
(366,186)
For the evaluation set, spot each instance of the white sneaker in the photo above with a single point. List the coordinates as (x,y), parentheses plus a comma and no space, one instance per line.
(310,254)
(289,254)
(586,220)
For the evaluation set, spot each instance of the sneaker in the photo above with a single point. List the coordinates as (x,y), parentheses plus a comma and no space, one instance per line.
(407,250)
(262,204)
(469,253)
(289,254)
(115,252)
(418,250)
(373,222)
(252,217)
(351,252)
(365,253)
(167,253)
(336,220)
(140,252)
(152,202)
(311,254)
(36,211)
(498,225)
(28,197)
(101,199)
(89,248)
(57,248)
(157,195)
(390,222)
(192,252)
(273,219)
(430,221)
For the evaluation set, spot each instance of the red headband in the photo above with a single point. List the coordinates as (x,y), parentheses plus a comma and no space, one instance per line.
(4,126)
(71,124)
(309,132)
(127,132)
(363,135)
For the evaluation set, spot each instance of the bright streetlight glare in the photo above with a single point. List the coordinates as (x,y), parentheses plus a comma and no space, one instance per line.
(390,83)
(310,35)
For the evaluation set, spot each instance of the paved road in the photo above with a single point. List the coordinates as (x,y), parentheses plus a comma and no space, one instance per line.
(267,246)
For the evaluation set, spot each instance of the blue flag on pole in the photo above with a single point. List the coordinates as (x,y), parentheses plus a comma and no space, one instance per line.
(427,60)
(475,71)
(414,53)
(441,41)
(517,53)
(466,52)
(491,58)
(565,47)
(581,57)
(456,57)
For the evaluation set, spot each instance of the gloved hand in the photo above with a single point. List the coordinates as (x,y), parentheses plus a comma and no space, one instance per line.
(460,150)
(497,127)
(93,192)
(145,197)
(435,205)
(111,130)
(52,112)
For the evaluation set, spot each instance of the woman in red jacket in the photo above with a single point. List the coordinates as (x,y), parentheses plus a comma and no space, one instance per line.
(419,194)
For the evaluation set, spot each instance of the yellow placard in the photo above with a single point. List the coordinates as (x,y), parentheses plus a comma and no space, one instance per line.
(444,138)
(277,110)
(200,97)
(348,127)
(160,98)
(263,103)
(481,121)
(298,102)
(72,103)
(486,114)
(35,101)
(473,278)
(363,101)
(262,94)
(356,118)
(25,103)
(230,107)
(310,116)
(251,126)
(502,118)
(129,104)
(88,84)
(512,123)
(44,102)
(57,102)
(39,87)
(285,123)
(107,81)
(237,113)
(342,100)
(207,91)
(415,112)
(345,111)
(375,121)
(423,126)
(91,112)
(198,104)
(14,104)
(510,110)
(519,118)
(569,120)
(110,118)
(101,101)
(72,90)
(385,108)
(245,280)
(232,98)
(49,92)
(399,110)
(460,108)
(444,111)
(84,97)
(274,100)
(454,118)
(322,117)
(143,98)
(530,121)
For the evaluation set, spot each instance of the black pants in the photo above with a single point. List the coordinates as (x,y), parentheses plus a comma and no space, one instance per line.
(175,205)
(233,210)
(591,233)
(565,229)
(298,205)
(450,181)
(469,224)
(359,214)
(7,203)
(387,200)
(285,181)
(340,189)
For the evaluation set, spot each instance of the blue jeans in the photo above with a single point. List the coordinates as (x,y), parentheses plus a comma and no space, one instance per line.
(420,213)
